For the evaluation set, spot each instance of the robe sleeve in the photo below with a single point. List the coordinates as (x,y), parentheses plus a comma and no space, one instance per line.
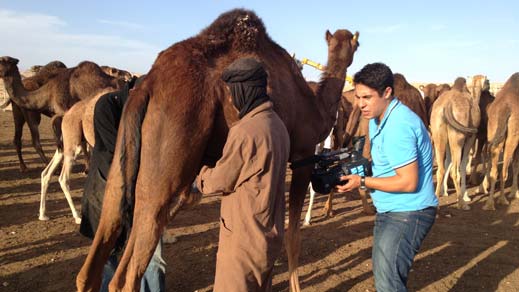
(237,165)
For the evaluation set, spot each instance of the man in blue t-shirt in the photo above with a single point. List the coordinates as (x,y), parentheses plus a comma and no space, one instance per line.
(401,186)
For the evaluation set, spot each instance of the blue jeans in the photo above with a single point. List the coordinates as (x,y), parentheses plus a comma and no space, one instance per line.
(153,279)
(397,237)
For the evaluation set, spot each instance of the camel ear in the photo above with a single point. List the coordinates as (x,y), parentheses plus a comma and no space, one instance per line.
(328,36)
(356,36)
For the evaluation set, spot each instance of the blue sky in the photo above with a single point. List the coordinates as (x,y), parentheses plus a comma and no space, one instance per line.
(427,41)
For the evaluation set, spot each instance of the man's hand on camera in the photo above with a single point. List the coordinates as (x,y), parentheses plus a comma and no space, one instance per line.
(353,182)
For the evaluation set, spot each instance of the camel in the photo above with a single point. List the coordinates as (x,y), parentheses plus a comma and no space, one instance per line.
(61,92)
(55,98)
(177,120)
(411,97)
(431,92)
(117,73)
(503,133)
(32,118)
(77,128)
(455,118)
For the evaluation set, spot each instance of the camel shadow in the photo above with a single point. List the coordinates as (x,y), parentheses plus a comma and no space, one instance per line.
(57,275)
(55,208)
(53,244)
(35,188)
(320,245)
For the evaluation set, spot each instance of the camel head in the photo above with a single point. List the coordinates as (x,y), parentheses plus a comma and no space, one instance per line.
(342,44)
(442,88)
(477,84)
(8,65)
(430,91)
(117,73)
(54,65)
(460,84)
(35,68)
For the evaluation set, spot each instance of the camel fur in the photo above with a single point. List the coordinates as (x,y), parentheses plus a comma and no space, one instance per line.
(177,120)
(455,119)
(503,136)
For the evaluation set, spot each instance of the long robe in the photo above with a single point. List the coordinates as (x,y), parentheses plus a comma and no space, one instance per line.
(251,177)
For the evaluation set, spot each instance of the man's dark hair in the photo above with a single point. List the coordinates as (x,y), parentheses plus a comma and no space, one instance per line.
(377,76)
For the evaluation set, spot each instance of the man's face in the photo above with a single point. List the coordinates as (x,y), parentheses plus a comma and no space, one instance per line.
(370,102)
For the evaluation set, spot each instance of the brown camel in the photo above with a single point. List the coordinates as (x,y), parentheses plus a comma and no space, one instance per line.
(77,128)
(455,119)
(431,92)
(177,119)
(32,118)
(117,73)
(411,97)
(61,92)
(503,133)
(56,97)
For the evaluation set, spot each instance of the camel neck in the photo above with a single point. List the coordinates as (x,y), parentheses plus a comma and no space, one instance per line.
(22,97)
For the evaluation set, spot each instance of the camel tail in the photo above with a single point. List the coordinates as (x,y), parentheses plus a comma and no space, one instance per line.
(56,122)
(496,134)
(455,124)
(131,128)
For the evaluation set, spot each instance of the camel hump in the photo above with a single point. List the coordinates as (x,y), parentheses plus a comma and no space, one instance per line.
(241,29)
(449,116)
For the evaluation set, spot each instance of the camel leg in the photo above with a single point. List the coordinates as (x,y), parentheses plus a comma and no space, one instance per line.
(515,166)
(19,121)
(510,146)
(456,148)
(445,185)
(308,215)
(328,207)
(300,180)
(486,163)
(493,171)
(471,155)
(439,151)
(33,121)
(90,276)
(85,148)
(64,179)
(479,154)
(45,177)
(465,160)
(150,218)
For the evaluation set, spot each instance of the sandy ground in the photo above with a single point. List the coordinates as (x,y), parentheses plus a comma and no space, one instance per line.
(468,251)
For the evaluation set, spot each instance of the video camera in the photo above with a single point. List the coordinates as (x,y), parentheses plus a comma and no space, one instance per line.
(331,165)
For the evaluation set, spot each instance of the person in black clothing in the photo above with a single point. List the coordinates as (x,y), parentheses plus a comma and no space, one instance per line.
(107,115)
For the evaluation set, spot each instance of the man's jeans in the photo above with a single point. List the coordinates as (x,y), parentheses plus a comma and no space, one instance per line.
(153,279)
(397,237)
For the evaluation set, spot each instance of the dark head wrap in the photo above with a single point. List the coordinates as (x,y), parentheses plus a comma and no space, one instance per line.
(247,81)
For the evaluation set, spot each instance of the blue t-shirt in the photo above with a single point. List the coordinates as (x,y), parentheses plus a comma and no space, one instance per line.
(399,139)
